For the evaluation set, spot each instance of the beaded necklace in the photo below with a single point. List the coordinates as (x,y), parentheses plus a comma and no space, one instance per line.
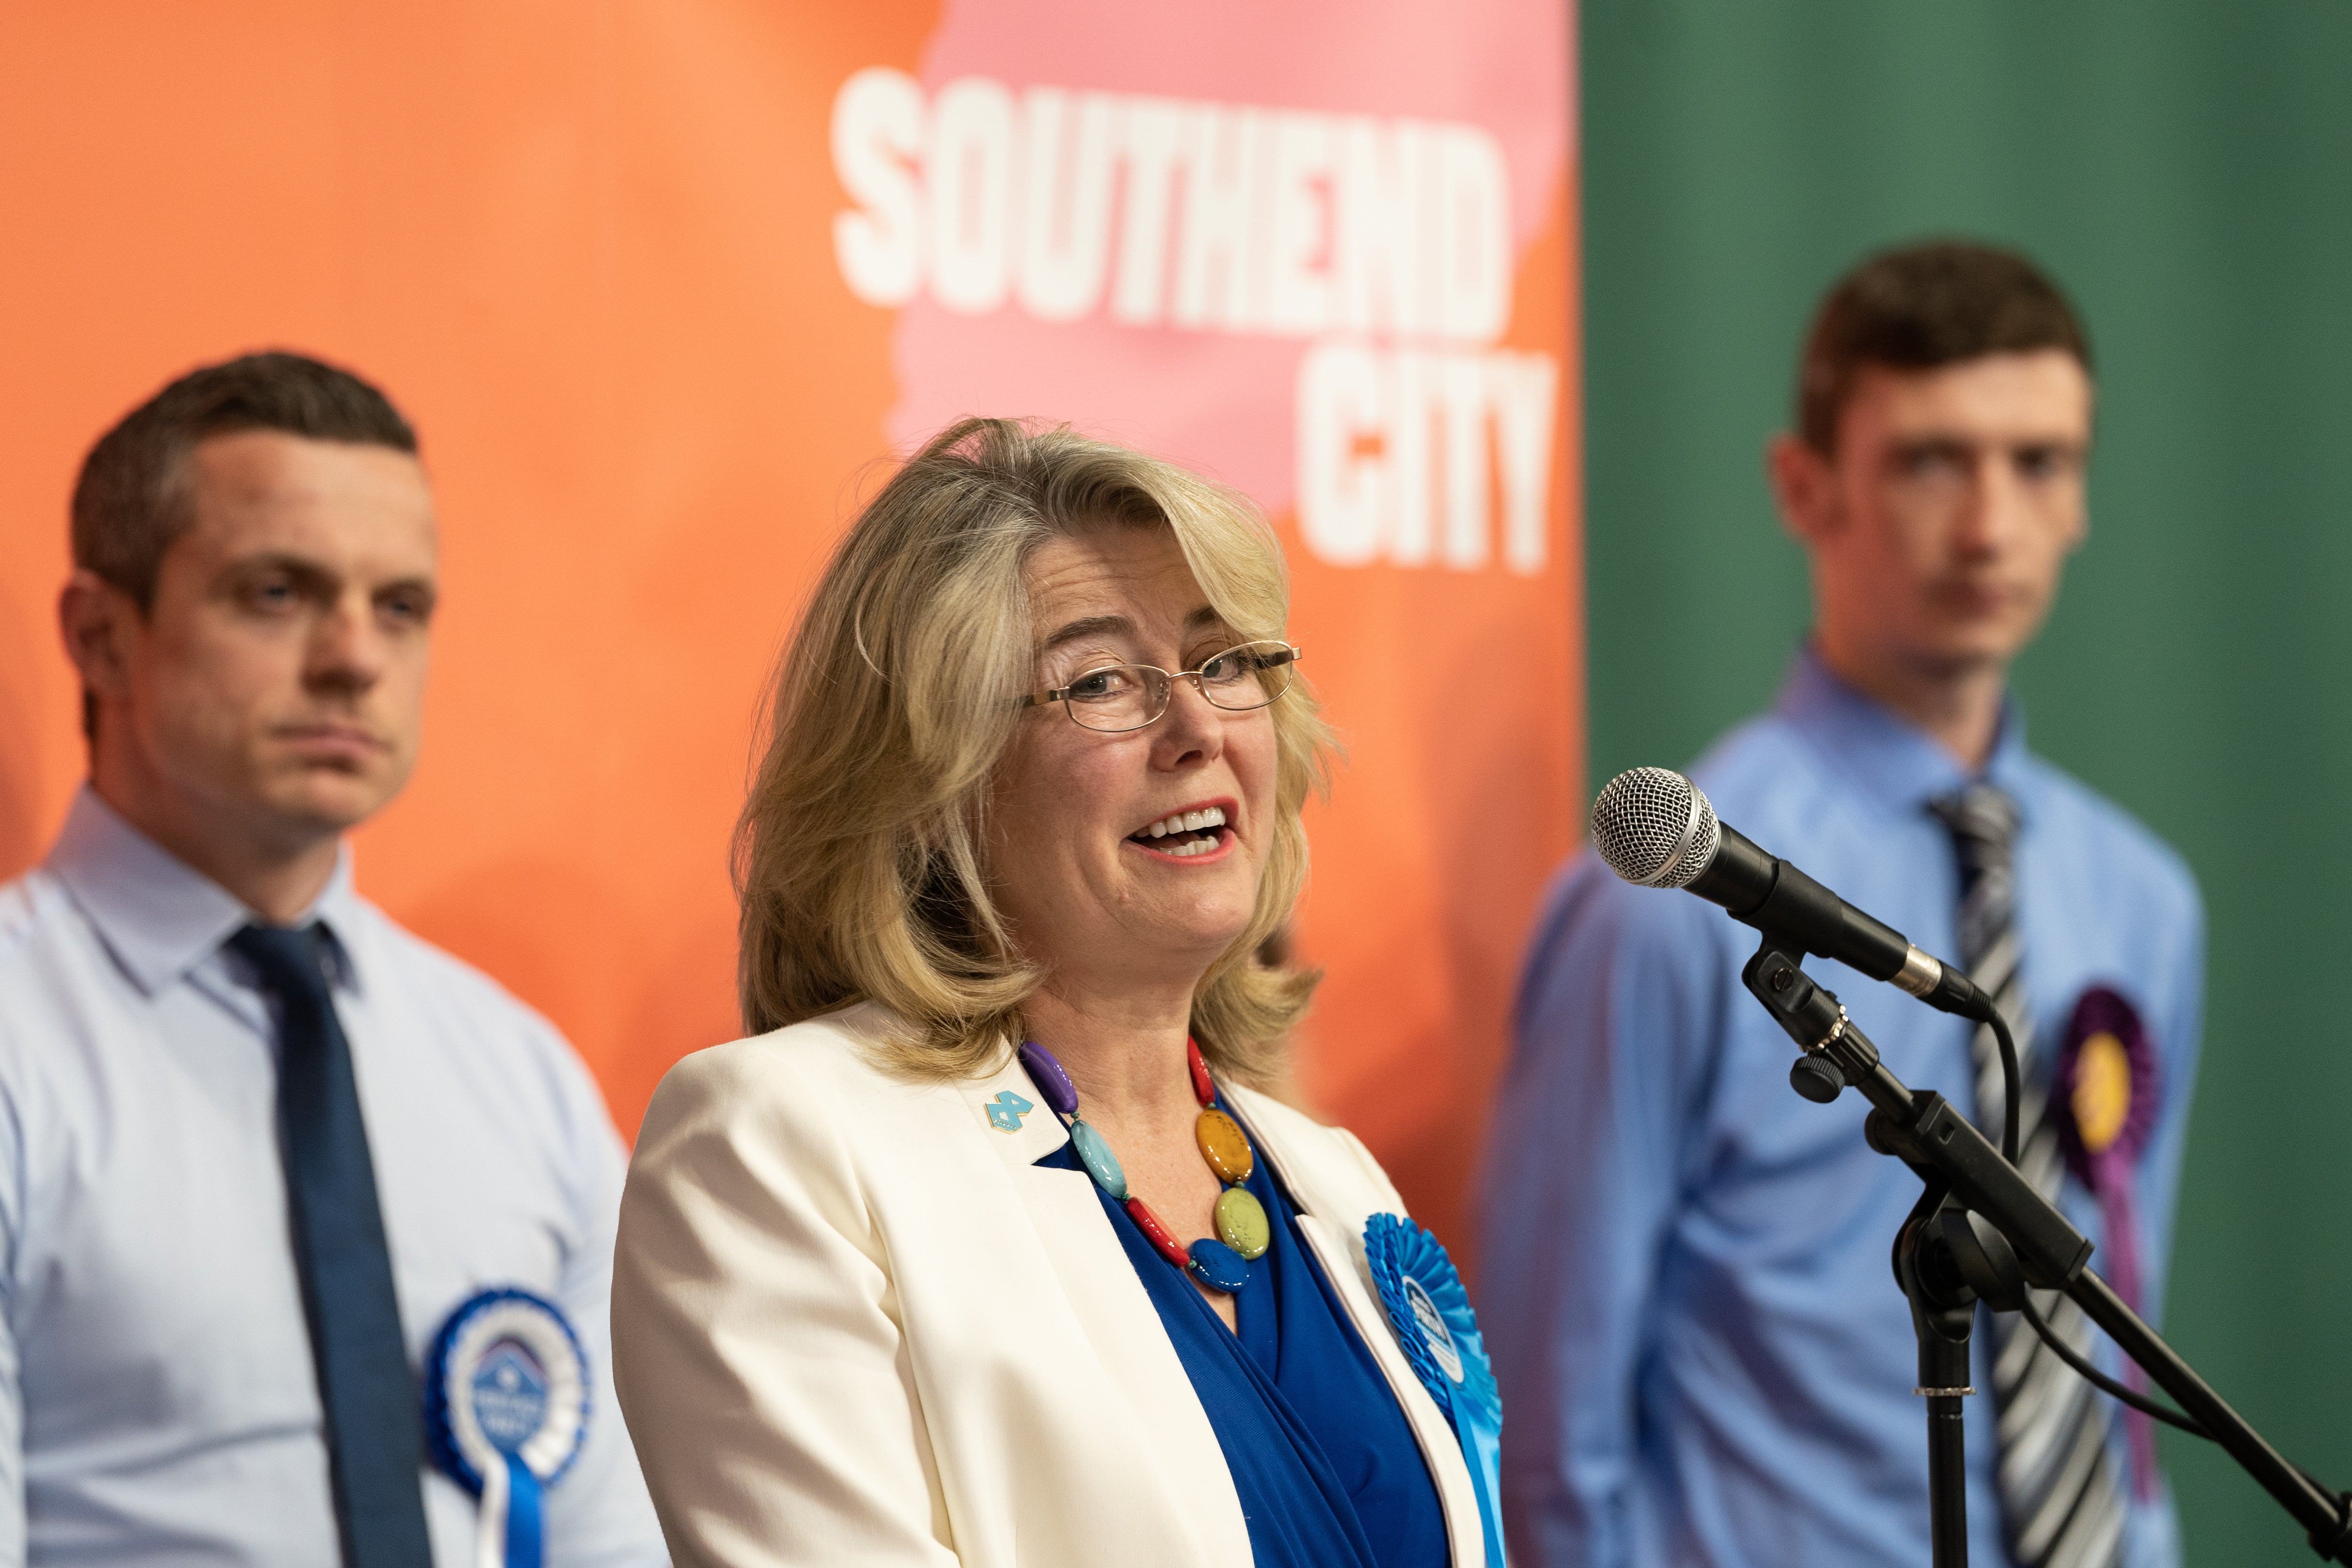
(1243,1231)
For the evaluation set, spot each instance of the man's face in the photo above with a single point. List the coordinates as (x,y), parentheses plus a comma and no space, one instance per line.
(1940,527)
(280,679)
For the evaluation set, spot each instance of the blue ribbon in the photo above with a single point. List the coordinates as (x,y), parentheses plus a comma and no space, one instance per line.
(1482,1447)
(1421,1292)
(526,1531)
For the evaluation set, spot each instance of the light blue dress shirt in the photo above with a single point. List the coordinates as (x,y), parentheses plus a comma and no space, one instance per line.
(1684,1282)
(157,1400)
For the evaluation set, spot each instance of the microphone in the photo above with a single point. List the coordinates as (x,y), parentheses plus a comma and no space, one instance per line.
(1657,829)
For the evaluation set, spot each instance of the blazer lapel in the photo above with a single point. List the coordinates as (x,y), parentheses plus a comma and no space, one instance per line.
(1331,1216)
(1092,1280)
(1120,1325)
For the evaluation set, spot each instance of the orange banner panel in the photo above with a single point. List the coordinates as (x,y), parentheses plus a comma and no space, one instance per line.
(665,286)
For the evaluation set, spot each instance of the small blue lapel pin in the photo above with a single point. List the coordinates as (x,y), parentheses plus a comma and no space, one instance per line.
(1005,1111)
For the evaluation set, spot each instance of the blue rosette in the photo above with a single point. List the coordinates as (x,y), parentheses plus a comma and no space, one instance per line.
(1421,1293)
(506,1411)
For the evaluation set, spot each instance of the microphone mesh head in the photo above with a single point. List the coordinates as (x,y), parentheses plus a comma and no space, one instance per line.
(1656,827)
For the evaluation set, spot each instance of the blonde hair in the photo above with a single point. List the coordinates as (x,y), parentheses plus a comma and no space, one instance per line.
(859,856)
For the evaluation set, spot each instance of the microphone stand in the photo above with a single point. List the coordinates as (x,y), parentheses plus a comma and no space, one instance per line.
(1980,1232)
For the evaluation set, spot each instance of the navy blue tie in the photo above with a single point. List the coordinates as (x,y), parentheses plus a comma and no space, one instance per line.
(375,1446)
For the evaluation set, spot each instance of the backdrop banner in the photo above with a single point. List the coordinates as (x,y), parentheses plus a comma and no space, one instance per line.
(665,286)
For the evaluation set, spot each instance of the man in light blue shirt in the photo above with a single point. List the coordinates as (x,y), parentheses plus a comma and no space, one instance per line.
(212,1314)
(1685,1284)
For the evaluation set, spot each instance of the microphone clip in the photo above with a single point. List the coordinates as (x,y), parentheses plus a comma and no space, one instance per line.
(1836,1055)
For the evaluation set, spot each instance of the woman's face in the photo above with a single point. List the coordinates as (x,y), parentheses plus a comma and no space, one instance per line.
(1089,889)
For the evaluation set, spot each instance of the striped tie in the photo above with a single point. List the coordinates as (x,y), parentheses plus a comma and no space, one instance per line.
(2061,1504)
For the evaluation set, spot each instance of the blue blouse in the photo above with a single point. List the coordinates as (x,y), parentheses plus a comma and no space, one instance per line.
(1328,1471)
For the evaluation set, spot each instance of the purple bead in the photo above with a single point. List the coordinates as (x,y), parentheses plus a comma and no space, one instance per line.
(1051,1081)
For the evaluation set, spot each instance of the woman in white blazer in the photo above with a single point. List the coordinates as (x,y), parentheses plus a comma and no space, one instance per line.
(984,1251)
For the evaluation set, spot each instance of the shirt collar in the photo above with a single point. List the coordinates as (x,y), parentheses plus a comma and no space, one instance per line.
(159,916)
(1892,761)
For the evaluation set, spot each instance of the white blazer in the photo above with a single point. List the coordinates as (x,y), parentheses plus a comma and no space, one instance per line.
(855,1323)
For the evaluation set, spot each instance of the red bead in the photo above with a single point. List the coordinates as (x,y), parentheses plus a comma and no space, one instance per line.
(1140,1212)
(1202,1090)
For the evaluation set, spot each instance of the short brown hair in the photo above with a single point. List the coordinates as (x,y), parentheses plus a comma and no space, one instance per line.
(131,502)
(1934,303)
(860,857)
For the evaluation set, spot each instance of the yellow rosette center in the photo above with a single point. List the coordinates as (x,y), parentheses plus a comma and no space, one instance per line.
(2102,1099)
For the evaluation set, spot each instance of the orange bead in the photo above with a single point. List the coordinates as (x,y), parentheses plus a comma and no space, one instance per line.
(1225,1146)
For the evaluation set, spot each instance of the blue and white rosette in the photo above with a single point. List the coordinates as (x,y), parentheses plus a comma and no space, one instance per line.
(1431,1312)
(505,1408)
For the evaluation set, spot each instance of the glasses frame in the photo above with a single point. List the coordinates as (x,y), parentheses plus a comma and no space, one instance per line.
(1291,655)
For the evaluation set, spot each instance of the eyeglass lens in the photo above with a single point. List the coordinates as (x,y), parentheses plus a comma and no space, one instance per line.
(1129,696)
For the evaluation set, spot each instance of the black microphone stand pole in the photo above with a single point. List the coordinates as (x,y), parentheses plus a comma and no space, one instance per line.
(1941,1319)
(1980,1232)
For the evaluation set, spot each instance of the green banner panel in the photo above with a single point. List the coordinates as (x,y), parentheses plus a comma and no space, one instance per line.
(2186,171)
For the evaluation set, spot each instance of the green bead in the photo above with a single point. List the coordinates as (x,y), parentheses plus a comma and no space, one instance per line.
(1241,1223)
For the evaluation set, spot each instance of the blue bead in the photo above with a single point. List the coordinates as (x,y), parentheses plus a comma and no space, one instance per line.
(1219,1265)
(1100,1162)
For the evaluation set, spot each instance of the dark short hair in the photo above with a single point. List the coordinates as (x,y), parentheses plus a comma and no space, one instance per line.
(131,499)
(1921,306)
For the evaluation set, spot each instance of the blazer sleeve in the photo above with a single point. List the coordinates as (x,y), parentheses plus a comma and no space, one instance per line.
(757,1348)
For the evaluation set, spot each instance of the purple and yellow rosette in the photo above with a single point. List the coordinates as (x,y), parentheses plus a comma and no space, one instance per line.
(2106,1089)
(1427,1305)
